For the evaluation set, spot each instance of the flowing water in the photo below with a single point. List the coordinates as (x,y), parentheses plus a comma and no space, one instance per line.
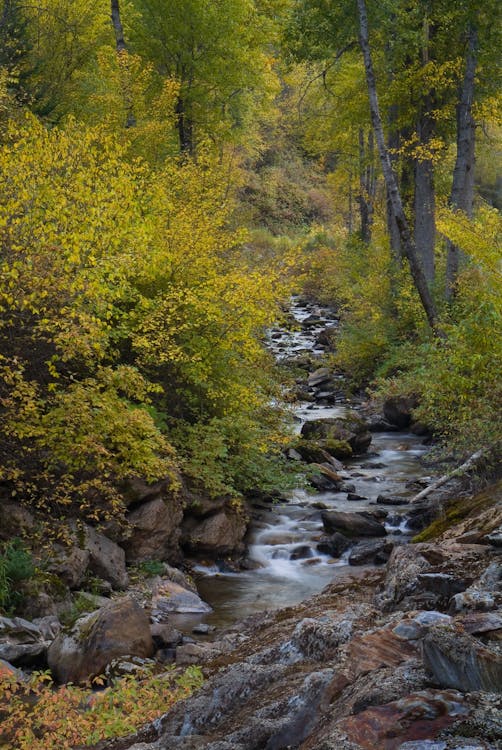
(283,537)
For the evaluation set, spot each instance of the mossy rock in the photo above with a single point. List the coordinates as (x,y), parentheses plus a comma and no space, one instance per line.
(470,512)
(311,451)
(338,448)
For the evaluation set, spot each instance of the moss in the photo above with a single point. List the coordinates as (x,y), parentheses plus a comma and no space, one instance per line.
(459,510)
(338,448)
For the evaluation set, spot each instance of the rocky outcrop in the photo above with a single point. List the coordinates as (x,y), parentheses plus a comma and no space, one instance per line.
(119,629)
(398,410)
(24,643)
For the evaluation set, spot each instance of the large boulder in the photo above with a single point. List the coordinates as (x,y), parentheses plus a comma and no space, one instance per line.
(218,535)
(171,598)
(119,629)
(351,429)
(155,531)
(352,524)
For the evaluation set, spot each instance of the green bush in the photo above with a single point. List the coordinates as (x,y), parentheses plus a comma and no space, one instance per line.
(16,565)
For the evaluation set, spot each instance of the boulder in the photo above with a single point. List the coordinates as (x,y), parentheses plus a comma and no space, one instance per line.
(392,500)
(70,564)
(136,491)
(352,524)
(398,410)
(319,377)
(155,531)
(120,629)
(327,337)
(217,536)
(171,598)
(17,521)
(375,551)
(165,636)
(351,429)
(334,544)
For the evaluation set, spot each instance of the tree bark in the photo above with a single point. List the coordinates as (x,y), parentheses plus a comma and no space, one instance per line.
(366,197)
(424,203)
(122,53)
(390,178)
(462,191)
(392,228)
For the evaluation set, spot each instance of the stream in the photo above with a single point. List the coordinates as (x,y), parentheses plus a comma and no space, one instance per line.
(283,536)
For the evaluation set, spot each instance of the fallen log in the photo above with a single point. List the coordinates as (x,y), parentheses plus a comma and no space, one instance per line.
(471,461)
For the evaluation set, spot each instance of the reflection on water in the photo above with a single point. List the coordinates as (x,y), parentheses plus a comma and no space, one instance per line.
(283,538)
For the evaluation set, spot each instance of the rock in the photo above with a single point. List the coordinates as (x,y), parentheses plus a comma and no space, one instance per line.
(169,597)
(155,531)
(311,321)
(334,545)
(8,671)
(352,524)
(137,491)
(398,410)
(218,535)
(422,576)
(354,497)
(106,559)
(132,665)
(17,521)
(301,552)
(70,564)
(196,653)
(391,500)
(377,423)
(119,629)
(203,629)
(327,337)
(350,429)
(22,643)
(458,660)
(374,551)
(164,635)
(200,506)
(320,376)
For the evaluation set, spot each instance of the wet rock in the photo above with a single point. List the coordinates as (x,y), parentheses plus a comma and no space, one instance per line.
(374,551)
(120,629)
(354,497)
(458,660)
(352,524)
(377,423)
(310,321)
(398,410)
(301,552)
(155,531)
(391,500)
(203,629)
(334,544)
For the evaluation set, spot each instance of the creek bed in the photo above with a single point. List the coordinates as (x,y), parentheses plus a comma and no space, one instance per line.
(283,537)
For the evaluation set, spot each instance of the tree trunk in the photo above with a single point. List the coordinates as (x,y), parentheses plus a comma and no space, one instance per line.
(366,195)
(392,228)
(185,128)
(462,191)
(390,178)
(424,204)
(122,53)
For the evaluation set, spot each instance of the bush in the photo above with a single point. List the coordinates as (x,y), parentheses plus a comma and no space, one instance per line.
(16,565)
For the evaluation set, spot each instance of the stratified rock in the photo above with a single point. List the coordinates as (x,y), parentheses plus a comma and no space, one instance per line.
(120,629)
(155,531)
(351,524)
(458,660)
(398,410)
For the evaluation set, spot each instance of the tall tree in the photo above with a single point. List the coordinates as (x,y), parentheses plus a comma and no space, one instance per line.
(123,56)
(408,245)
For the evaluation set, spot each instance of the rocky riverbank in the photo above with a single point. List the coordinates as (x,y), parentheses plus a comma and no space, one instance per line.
(402,658)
